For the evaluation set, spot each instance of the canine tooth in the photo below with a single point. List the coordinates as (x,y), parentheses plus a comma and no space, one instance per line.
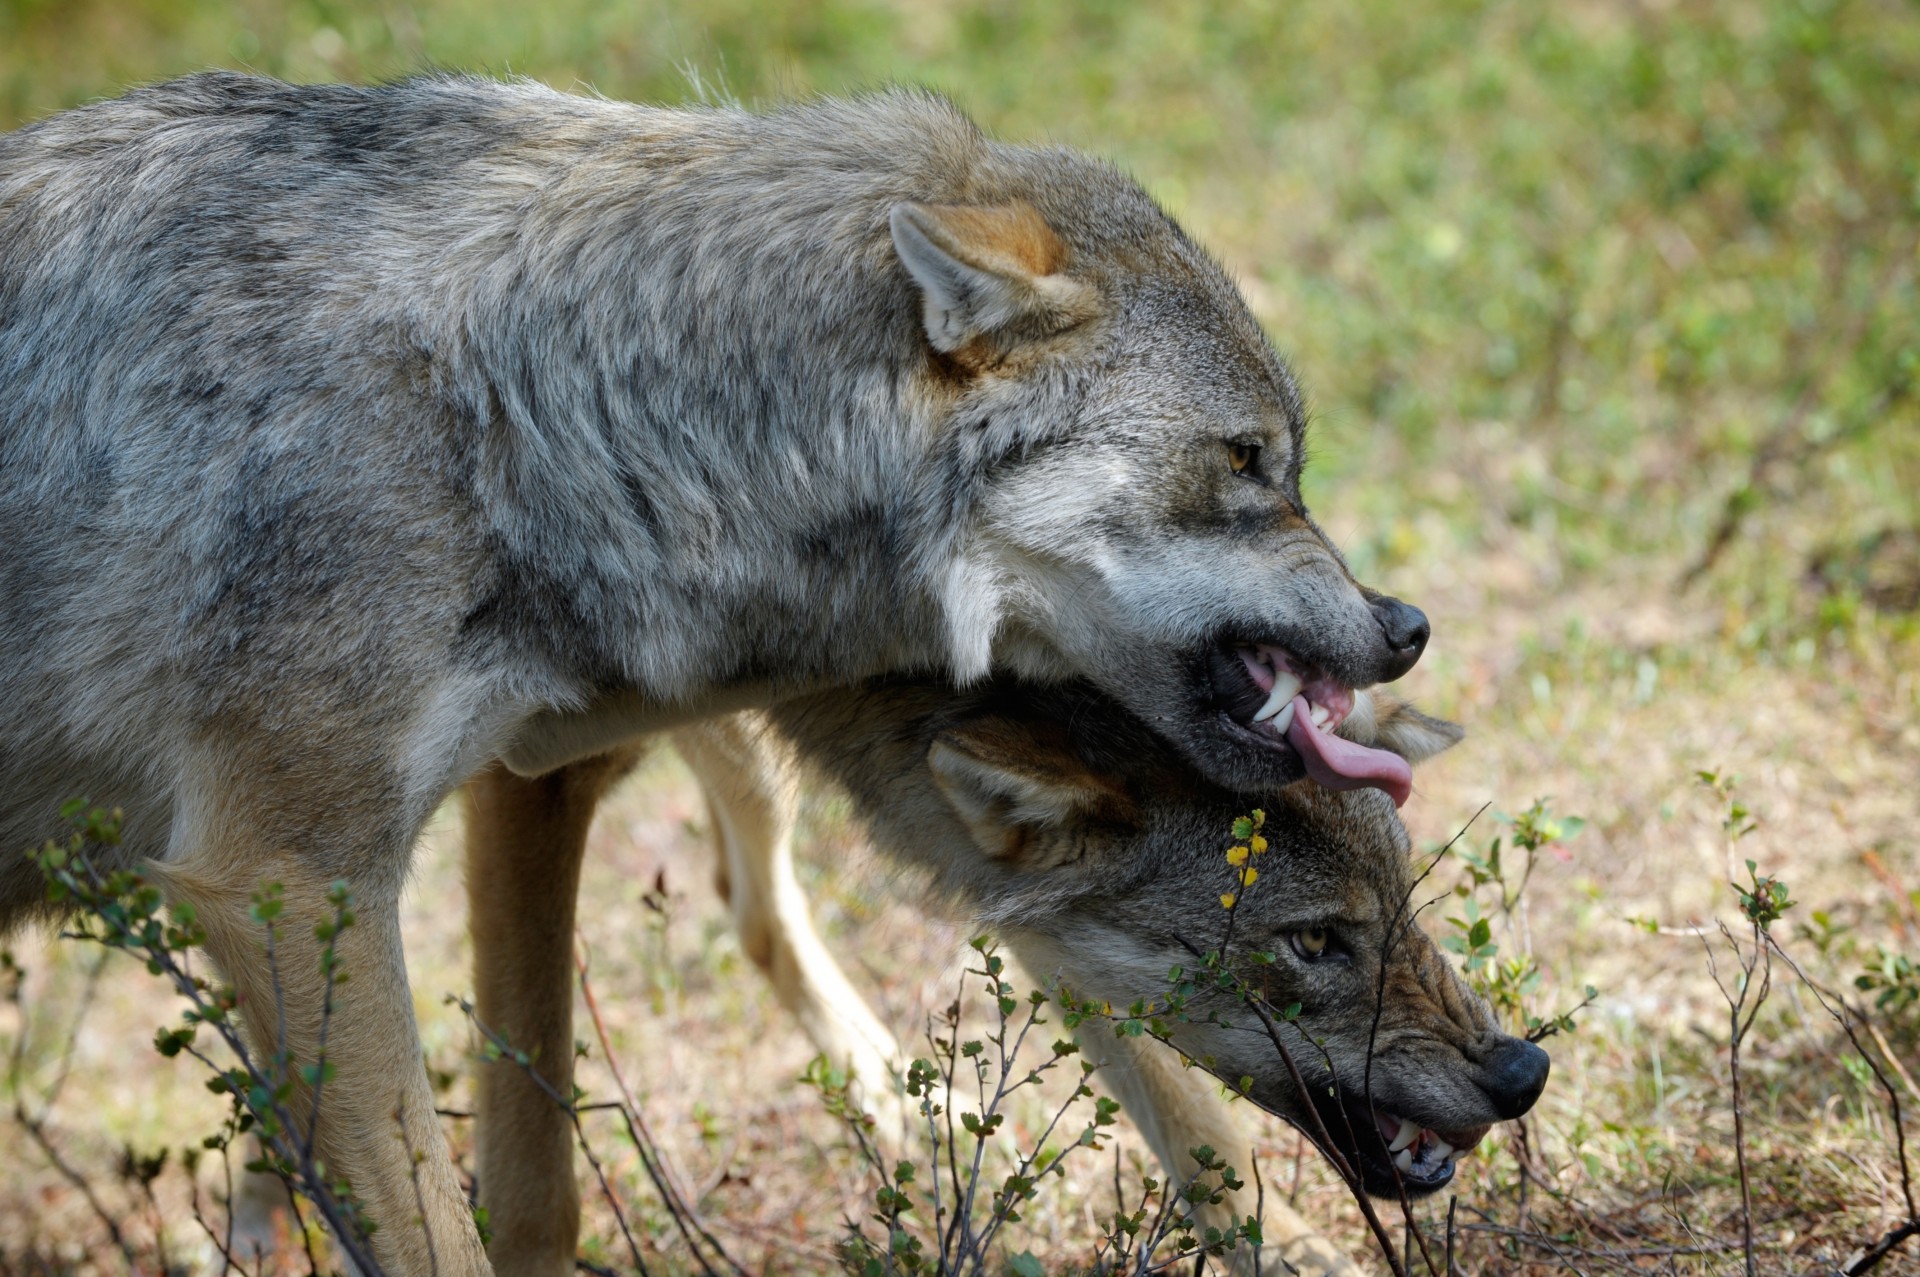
(1283,720)
(1409,1132)
(1319,715)
(1285,688)
(1441,1149)
(1404,1160)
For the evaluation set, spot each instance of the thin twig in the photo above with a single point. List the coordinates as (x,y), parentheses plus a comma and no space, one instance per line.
(665,1182)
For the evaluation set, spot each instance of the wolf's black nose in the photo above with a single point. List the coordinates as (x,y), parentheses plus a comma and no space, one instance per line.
(1514,1075)
(1406,630)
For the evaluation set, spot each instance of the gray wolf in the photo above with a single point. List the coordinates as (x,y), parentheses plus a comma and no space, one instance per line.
(1095,851)
(354,438)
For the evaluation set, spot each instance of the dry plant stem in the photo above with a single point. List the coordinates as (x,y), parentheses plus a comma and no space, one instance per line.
(35,1126)
(1843,1016)
(86,880)
(320,1046)
(1324,1142)
(159,1224)
(1530,1237)
(224,1246)
(572,1110)
(1738,1030)
(1259,1206)
(972,1247)
(1026,1164)
(1886,1050)
(306,1234)
(665,1181)
(1871,1257)
(1397,928)
(952,1049)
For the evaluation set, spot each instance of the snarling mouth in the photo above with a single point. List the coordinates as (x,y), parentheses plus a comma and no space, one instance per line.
(1421,1157)
(1282,679)
(1270,695)
(1395,1154)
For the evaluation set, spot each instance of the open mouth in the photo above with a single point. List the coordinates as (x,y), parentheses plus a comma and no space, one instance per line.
(1280,678)
(1396,1154)
(1270,695)
(1421,1157)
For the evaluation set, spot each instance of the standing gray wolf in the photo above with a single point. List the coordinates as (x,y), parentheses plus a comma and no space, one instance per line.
(1097,853)
(351,439)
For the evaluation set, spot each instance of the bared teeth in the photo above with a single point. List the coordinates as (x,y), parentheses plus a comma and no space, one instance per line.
(1441,1150)
(1319,714)
(1408,1133)
(1285,687)
(1404,1160)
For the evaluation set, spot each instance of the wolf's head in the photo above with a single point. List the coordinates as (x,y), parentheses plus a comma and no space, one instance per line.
(1073,831)
(1141,446)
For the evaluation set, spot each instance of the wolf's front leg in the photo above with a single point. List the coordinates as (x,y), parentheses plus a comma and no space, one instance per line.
(1178,1109)
(373,1124)
(525,839)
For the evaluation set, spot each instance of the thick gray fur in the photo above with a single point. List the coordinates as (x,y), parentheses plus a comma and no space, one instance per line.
(350,435)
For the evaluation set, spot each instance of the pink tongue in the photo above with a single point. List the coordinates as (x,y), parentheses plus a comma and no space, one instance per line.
(1338,763)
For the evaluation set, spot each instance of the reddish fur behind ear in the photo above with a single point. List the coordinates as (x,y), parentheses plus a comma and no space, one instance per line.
(1019,785)
(1005,238)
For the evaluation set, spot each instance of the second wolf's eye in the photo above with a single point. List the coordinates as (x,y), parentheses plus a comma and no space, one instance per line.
(1311,944)
(1242,456)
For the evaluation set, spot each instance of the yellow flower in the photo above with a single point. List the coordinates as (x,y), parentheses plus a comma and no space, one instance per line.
(1247,876)
(1237,855)
(1258,844)
(1226,900)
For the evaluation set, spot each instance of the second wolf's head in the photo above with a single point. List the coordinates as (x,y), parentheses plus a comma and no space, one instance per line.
(1063,823)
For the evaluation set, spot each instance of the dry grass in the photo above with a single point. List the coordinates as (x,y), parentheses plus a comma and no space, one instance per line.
(1632,1141)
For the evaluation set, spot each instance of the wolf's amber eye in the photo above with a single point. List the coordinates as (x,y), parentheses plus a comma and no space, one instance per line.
(1310,944)
(1241,456)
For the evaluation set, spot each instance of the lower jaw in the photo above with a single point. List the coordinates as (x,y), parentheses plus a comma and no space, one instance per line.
(1258,735)
(1378,1179)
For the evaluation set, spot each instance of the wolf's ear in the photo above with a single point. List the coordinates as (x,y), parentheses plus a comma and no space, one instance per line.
(988,271)
(1387,722)
(1022,791)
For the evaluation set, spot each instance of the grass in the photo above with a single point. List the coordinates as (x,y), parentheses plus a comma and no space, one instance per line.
(1610,318)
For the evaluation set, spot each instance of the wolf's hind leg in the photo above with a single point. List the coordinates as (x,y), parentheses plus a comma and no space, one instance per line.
(525,839)
(375,1121)
(751,800)
(1178,1109)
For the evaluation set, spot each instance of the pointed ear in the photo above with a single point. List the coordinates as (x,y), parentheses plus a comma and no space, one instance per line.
(1386,722)
(988,272)
(1022,791)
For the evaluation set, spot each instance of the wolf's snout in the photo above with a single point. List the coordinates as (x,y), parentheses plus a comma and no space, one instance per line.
(1406,630)
(1514,1075)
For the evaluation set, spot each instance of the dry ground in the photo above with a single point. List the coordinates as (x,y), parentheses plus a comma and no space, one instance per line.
(1635,1130)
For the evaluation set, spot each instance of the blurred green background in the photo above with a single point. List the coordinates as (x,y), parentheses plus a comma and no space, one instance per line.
(1653,263)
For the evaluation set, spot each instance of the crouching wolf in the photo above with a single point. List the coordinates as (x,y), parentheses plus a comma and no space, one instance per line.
(351,439)
(1054,817)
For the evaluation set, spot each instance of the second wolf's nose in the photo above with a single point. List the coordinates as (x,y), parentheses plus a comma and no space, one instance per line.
(1516,1073)
(1406,631)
